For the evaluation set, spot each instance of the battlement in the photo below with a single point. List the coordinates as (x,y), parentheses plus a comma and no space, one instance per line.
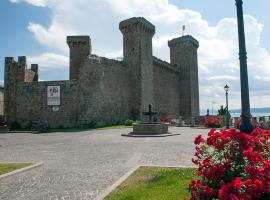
(134,23)
(13,66)
(104,60)
(17,70)
(78,41)
(9,60)
(21,60)
(164,64)
(183,41)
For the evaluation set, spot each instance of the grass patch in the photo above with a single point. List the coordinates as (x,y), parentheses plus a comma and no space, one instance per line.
(113,127)
(87,129)
(9,167)
(155,183)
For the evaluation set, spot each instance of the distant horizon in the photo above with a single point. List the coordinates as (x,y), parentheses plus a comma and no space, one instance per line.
(238,110)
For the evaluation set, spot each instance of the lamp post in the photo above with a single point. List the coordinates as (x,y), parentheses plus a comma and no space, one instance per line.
(246,126)
(213,107)
(226,88)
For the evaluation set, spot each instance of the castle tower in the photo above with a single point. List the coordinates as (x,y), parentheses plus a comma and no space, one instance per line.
(14,74)
(80,48)
(137,46)
(183,53)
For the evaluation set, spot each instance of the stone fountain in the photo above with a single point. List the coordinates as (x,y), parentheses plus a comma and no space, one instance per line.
(149,128)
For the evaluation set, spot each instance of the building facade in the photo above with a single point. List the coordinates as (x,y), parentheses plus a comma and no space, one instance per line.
(104,90)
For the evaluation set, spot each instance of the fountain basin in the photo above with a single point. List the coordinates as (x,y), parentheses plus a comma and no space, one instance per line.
(150,129)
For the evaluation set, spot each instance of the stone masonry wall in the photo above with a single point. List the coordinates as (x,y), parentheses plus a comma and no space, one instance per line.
(29,75)
(32,104)
(104,91)
(166,90)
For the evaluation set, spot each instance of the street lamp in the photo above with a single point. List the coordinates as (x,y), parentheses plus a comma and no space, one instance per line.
(213,107)
(226,88)
(246,126)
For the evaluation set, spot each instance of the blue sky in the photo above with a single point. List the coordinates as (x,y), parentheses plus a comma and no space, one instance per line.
(38,29)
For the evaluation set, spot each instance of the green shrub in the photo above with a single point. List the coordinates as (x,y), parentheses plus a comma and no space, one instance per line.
(15,126)
(31,126)
(92,124)
(128,122)
(61,127)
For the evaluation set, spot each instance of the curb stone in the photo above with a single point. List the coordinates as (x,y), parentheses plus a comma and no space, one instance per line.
(20,170)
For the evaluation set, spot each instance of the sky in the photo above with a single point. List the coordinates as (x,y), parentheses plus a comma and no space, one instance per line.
(38,29)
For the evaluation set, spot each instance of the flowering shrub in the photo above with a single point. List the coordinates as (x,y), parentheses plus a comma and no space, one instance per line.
(238,122)
(232,165)
(213,122)
(165,120)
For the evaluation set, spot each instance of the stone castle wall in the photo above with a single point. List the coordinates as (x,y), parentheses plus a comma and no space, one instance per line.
(108,91)
(104,91)
(166,88)
(32,104)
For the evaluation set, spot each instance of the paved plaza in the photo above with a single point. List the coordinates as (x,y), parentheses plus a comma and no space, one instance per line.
(81,165)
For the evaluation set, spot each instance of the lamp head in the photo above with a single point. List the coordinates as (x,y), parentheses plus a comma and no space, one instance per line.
(226,88)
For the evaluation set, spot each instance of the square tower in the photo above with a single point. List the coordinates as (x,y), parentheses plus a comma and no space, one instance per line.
(183,53)
(137,41)
(80,48)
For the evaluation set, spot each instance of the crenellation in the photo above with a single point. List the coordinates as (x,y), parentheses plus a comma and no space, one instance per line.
(164,64)
(185,41)
(9,60)
(137,23)
(22,61)
(104,60)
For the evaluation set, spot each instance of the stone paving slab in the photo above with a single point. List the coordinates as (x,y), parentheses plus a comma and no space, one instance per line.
(80,166)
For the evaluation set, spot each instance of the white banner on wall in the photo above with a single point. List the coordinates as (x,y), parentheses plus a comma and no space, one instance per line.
(53,95)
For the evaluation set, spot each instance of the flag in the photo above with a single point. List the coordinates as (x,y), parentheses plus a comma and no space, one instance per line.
(183,28)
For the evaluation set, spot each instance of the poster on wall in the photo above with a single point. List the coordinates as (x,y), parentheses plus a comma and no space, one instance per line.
(53,95)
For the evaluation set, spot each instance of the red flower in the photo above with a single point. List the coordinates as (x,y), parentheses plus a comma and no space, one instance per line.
(213,122)
(224,192)
(237,183)
(198,140)
(209,191)
(165,120)
(232,165)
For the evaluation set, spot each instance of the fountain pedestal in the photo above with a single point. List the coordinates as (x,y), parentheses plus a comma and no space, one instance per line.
(150,129)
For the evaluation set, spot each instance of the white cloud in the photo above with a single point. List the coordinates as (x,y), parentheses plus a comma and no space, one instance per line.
(53,37)
(40,3)
(218,52)
(224,77)
(262,78)
(50,61)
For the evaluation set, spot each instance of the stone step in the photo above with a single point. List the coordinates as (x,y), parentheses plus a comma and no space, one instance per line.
(4,129)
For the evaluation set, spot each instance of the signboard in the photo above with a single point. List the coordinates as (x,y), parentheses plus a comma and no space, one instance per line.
(53,95)
(55,108)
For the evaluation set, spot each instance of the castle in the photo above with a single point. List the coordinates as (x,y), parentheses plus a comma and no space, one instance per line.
(104,90)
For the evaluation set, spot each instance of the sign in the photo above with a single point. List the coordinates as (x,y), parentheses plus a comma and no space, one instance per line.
(55,108)
(53,95)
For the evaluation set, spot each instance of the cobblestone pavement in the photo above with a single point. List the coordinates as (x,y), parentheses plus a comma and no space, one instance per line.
(79,166)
